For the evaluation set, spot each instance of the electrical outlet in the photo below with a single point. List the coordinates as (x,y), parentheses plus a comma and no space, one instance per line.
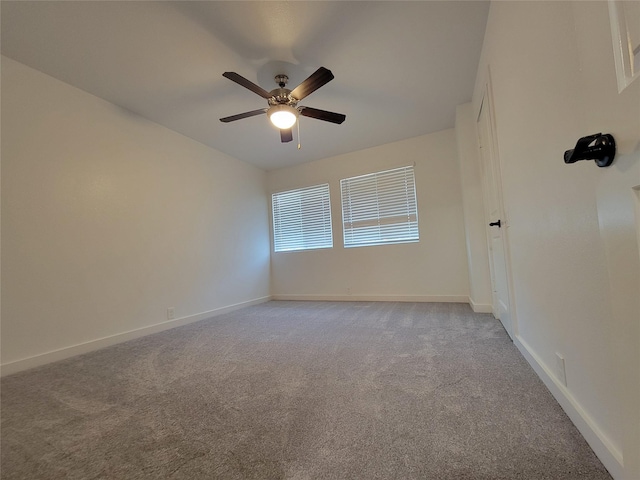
(348,290)
(171,313)
(560,369)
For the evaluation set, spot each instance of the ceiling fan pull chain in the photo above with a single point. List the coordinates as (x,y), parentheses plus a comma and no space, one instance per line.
(298,122)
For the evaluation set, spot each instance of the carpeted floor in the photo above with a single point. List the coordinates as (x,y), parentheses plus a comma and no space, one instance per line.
(297,390)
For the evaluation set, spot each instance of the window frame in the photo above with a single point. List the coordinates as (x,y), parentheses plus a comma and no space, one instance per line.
(412,225)
(320,191)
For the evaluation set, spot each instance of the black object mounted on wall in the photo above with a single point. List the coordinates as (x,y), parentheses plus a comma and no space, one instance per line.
(598,147)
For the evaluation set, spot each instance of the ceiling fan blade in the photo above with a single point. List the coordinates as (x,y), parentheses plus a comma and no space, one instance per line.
(286,135)
(240,116)
(311,84)
(322,115)
(240,80)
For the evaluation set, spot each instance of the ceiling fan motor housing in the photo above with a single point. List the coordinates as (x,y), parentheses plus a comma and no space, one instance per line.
(282,95)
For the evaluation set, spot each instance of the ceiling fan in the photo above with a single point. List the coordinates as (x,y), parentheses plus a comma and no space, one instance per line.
(283,107)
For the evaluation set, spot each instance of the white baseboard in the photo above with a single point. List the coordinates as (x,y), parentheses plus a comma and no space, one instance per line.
(374,298)
(603,447)
(85,347)
(480,307)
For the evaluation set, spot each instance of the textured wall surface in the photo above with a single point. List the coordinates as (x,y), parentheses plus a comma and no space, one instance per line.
(434,267)
(109,219)
(553,79)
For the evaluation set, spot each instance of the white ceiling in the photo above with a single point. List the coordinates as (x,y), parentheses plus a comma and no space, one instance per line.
(400,67)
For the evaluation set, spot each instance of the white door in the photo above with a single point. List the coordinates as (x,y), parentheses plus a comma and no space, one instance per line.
(494,215)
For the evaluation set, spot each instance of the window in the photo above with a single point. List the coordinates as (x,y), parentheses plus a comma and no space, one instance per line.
(380,208)
(302,219)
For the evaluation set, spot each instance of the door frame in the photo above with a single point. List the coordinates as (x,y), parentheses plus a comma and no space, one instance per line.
(487,101)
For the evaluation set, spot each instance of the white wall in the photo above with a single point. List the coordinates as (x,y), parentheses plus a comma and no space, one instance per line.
(473,207)
(434,269)
(553,80)
(109,219)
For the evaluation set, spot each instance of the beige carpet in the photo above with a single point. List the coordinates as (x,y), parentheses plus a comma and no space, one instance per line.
(297,390)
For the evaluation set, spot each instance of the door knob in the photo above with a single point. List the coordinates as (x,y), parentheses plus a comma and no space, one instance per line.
(495,224)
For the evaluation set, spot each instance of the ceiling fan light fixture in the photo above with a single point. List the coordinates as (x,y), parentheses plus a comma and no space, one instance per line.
(283,116)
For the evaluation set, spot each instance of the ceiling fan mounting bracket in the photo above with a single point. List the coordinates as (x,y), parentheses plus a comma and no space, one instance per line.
(281,80)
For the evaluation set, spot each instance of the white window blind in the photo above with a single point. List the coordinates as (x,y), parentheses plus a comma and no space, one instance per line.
(302,219)
(380,208)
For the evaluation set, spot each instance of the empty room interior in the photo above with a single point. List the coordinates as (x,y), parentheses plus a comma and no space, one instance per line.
(432,271)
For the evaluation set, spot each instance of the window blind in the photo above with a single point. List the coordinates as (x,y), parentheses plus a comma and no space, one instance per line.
(302,219)
(380,208)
